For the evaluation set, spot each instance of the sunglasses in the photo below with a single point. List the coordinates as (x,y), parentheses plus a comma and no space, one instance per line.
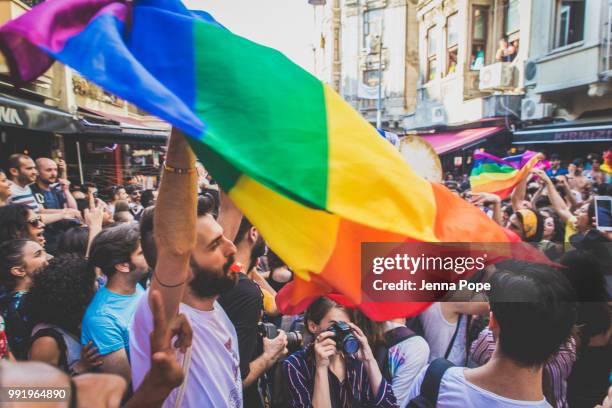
(35,222)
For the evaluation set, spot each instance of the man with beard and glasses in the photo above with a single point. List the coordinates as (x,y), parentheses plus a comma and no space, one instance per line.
(118,254)
(193,266)
(244,306)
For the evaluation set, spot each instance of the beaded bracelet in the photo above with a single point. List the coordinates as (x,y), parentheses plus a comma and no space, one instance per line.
(177,170)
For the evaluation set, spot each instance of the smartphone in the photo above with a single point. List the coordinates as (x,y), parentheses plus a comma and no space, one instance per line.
(603,213)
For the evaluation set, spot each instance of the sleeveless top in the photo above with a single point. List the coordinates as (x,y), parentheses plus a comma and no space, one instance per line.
(70,347)
(439,332)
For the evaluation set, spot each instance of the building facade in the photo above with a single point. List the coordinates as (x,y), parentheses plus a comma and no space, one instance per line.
(568,103)
(31,116)
(62,115)
(472,54)
(359,44)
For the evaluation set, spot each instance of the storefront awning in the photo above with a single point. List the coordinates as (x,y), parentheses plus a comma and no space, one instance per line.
(26,114)
(109,127)
(564,134)
(449,141)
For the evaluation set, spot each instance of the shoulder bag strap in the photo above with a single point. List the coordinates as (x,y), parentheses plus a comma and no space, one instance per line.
(430,387)
(452,341)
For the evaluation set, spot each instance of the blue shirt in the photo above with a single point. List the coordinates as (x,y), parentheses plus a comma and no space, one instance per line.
(558,172)
(108,318)
(53,198)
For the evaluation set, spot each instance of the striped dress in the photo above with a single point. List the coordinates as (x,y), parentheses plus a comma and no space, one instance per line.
(555,373)
(354,391)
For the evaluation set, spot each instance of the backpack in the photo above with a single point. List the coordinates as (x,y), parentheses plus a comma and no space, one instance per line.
(430,387)
(392,338)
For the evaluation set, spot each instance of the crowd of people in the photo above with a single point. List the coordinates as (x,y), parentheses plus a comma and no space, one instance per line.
(166,297)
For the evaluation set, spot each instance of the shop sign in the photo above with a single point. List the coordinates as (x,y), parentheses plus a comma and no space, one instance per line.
(11,116)
(596,134)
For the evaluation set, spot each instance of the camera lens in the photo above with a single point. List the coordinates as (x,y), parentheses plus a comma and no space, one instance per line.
(294,340)
(350,344)
(345,340)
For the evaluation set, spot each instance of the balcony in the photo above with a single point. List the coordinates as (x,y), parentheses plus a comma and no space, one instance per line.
(471,84)
(90,96)
(42,86)
(366,105)
(497,77)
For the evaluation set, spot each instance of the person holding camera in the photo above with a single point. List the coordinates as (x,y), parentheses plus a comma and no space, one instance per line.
(338,369)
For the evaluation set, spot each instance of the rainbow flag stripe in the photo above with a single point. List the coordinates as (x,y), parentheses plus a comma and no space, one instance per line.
(313,175)
(492,174)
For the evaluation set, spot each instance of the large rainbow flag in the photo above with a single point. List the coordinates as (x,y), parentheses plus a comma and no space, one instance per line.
(491,174)
(313,175)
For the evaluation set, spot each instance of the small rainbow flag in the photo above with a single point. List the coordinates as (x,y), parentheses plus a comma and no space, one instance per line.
(492,174)
(312,174)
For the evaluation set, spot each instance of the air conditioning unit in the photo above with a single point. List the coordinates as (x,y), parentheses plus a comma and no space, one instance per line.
(531,72)
(497,76)
(534,110)
(437,115)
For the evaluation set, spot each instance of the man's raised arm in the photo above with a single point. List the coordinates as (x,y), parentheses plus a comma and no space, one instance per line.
(175,222)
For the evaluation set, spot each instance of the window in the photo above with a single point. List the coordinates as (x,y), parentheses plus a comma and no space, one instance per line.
(432,57)
(512,18)
(480,16)
(570,22)
(371,77)
(372,25)
(452,43)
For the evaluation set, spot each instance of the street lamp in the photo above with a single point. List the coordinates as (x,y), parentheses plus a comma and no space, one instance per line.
(316,2)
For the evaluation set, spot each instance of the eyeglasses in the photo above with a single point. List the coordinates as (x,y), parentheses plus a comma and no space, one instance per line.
(36,222)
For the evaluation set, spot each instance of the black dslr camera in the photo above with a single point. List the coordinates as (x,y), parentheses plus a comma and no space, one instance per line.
(270,331)
(344,337)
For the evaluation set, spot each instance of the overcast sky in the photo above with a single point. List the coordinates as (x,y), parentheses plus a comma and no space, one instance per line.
(286,25)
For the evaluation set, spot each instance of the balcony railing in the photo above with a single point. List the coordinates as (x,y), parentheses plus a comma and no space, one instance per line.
(366,104)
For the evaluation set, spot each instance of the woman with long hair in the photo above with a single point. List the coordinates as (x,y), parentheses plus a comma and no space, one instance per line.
(17,221)
(400,353)
(20,261)
(338,369)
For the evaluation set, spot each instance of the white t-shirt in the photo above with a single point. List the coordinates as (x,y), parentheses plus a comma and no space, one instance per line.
(214,373)
(438,332)
(406,359)
(457,392)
